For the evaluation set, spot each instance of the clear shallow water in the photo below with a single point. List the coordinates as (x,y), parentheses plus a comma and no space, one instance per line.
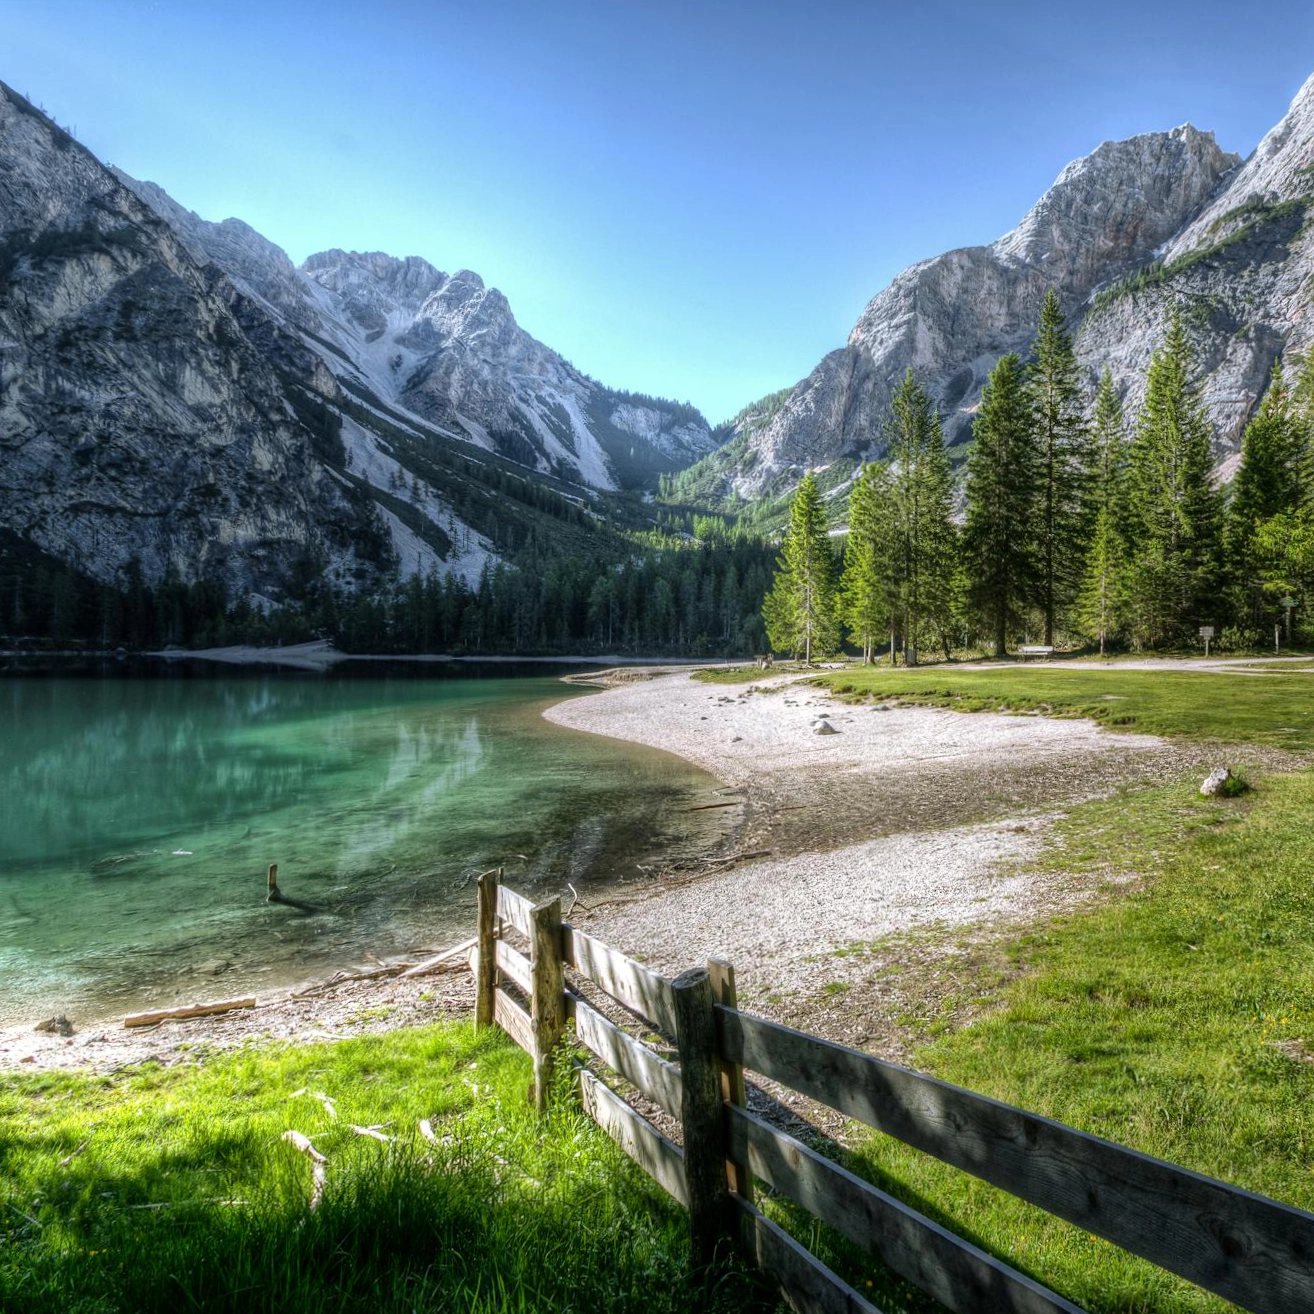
(138,817)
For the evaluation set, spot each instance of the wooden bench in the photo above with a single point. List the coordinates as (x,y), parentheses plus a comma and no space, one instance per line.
(1034,650)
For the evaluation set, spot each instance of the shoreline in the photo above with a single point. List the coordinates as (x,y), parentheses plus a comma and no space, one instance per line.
(900,821)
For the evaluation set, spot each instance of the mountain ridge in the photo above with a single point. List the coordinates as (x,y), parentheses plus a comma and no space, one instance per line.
(951,316)
(177,399)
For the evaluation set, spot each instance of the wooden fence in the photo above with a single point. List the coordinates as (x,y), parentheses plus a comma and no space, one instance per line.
(1253,1251)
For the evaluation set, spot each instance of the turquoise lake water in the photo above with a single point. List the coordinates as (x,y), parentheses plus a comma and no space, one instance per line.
(138,817)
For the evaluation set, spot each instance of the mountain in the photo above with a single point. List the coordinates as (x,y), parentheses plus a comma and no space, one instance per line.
(138,421)
(448,350)
(1126,232)
(178,400)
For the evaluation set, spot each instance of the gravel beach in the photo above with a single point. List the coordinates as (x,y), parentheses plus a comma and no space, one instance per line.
(903,821)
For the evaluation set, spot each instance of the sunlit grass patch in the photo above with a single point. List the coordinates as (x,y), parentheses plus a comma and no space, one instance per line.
(173,1190)
(1176,1018)
(1276,710)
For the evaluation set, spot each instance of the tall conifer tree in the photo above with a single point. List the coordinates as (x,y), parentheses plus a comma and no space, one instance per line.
(869,585)
(923,505)
(1270,478)
(1058,407)
(800,609)
(1270,502)
(1173,509)
(1000,540)
(1099,605)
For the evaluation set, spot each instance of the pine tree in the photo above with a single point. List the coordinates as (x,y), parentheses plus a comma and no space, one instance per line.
(1098,610)
(1058,409)
(1099,604)
(1271,500)
(800,609)
(869,585)
(922,500)
(1173,509)
(1270,478)
(1108,446)
(1000,540)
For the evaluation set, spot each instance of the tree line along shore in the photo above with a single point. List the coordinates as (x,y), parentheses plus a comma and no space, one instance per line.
(1074,524)
(1082,525)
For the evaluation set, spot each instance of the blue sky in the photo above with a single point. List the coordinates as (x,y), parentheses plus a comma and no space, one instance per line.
(693,200)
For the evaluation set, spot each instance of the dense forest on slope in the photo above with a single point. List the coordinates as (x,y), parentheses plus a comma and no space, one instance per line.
(699,599)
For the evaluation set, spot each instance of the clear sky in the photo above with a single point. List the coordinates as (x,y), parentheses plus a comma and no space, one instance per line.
(689,199)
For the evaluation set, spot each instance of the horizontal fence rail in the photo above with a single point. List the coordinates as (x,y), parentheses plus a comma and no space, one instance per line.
(960,1276)
(655,1077)
(660,1158)
(641,991)
(1251,1250)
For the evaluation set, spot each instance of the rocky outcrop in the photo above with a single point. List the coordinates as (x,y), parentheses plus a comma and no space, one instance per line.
(1107,217)
(446,350)
(1240,276)
(138,421)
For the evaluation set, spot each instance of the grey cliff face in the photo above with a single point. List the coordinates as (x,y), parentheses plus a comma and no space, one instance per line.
(1239,275)
(137,420)
(951,318)
(176,395)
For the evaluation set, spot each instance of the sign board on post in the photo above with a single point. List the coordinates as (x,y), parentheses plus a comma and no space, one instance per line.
(1206,633)
(1286,604)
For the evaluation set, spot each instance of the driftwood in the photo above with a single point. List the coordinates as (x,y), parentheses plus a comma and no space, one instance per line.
(439,962)
(329,1107)
(68,1158)
(373,1132)
(191,1010)
(318,1170)
(738,857)
(347,978)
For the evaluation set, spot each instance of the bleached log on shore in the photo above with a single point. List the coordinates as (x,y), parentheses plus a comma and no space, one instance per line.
(190,1010)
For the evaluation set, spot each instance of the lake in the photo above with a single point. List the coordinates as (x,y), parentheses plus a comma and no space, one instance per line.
(139,813)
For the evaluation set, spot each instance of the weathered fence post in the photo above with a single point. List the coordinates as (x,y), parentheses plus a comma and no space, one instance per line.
(486,964)
(703,1122)
(722,976)
(548,998)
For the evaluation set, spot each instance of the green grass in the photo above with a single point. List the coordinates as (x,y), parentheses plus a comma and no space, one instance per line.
(749,674)
(1177,1018)
(185,1198)
(1276,710)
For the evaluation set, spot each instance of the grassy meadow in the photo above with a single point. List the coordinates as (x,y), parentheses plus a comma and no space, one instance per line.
(171,1189)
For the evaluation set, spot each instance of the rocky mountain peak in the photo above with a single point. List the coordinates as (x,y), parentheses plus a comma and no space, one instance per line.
(1116,205)
(951,317)
(373,285)
(1281,168)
